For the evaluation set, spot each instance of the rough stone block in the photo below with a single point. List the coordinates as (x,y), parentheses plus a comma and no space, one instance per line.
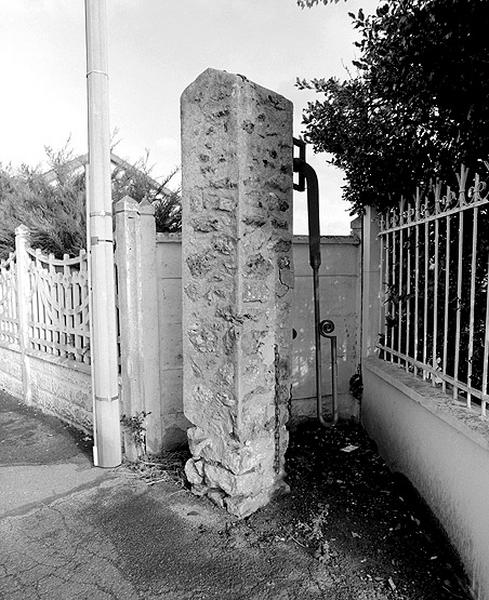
(238,458)
(192,472)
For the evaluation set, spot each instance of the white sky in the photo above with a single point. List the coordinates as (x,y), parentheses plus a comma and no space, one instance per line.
(156,48)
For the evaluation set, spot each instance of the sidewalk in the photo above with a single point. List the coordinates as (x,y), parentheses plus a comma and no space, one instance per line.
(71,531)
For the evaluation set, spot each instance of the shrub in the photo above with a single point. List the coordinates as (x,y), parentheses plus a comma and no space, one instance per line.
(53,207)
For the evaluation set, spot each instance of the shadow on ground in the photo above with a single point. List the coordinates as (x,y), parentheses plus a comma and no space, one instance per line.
(366,526)
(30,437)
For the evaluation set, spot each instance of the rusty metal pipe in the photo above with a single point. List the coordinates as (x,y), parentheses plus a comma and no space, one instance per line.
(319,373)
(309,174)
(334,376)
(326,329)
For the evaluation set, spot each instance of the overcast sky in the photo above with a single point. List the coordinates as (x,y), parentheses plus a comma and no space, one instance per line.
(156,48)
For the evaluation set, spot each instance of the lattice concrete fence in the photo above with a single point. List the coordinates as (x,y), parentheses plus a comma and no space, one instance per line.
(44,330)
(45,327)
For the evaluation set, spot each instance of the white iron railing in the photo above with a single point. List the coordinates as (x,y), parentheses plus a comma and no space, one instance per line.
(434,309)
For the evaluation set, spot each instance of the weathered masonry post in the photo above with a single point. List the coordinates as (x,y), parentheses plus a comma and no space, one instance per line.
(237,280)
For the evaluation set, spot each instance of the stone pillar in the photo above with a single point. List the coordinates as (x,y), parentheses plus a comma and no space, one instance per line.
(237,279)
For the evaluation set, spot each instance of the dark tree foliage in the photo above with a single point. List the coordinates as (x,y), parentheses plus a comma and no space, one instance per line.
(136,181)
(309,3)
(54,213)
(54,210)
(418,107)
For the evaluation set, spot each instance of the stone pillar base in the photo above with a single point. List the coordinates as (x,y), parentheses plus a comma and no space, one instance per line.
(241,505)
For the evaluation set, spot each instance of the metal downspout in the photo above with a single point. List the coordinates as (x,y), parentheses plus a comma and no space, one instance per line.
(309,174)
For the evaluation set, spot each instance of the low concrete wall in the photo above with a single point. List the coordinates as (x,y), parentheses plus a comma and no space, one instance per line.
(59,387)
(62,388)
(444,451)
(339,288)
(11,372)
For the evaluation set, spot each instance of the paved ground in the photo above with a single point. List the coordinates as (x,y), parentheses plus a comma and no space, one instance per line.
(71,531)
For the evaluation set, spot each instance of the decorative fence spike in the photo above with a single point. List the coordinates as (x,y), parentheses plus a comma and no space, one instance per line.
(462,180)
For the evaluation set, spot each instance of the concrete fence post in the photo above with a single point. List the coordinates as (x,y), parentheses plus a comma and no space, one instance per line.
(126,214)
(356,228)
(237,287)
(149,333)
(138,320)
(22,237)
(371,282)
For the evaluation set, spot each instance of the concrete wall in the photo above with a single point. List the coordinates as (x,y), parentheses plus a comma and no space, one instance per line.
(339,293)
(339,285)
(11,372)
(169,273)
(62,388)
(442,449)
(59,387)
(66,392)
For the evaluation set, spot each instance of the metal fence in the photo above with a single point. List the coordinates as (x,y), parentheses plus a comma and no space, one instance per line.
(434,313)
(44,303)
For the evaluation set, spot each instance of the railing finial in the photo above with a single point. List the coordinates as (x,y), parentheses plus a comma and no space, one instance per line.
(462,180)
